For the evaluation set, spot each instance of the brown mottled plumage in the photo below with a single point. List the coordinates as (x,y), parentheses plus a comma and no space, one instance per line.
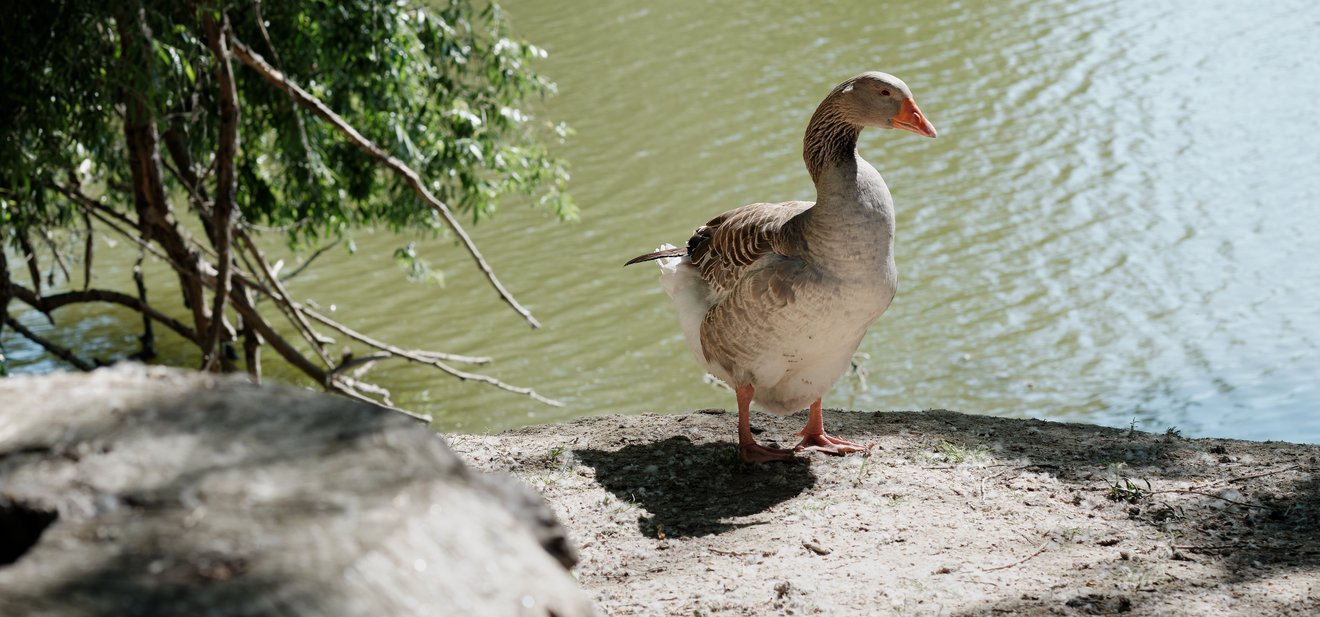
(726,245)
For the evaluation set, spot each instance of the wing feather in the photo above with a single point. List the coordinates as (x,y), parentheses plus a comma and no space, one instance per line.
(726,247)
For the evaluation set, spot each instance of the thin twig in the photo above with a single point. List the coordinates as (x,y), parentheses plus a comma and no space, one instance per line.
(449,357)
(1221,547)
(990,477)
(1211,495)
(353,361)
(254,319)
(314,338)
(424,357)
(312,159)
(55,350)
(430,361)
(30,258)
(1041,549)
(307,262)
(414,180)
(727,553)
(59,259)
(1289,548)
(1258,475)
(104,214)
(75,194)
(363,386)
(351,393)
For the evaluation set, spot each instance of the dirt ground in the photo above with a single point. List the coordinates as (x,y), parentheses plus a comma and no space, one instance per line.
(951,514)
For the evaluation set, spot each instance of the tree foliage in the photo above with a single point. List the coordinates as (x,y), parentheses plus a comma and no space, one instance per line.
(308,118)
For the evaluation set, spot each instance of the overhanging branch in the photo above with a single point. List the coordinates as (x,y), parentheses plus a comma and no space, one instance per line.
(56,350)
(271,74)
(47,304)
(432,360)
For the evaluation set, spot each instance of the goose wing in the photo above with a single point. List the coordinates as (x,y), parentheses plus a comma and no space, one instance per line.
(727,246)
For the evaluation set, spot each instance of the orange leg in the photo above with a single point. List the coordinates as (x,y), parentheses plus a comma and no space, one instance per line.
(815,439)
(751,451)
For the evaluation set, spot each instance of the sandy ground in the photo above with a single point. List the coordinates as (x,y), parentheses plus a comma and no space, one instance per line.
(951,514)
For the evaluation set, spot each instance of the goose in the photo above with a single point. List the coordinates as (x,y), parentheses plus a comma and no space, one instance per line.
(773,298)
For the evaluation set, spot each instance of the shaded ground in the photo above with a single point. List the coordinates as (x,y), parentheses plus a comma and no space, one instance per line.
(952,514)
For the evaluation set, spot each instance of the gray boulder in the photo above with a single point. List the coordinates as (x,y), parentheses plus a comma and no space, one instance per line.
(149,491)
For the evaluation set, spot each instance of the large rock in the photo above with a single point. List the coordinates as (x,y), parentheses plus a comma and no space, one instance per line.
(146,491)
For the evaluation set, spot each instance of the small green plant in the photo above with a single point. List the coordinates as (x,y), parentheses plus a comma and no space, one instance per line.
(958,454)
(621,507)
(864,469)
(554,453)
(1123,488)
(890,501)
(729,457)
(1135,578)
(812,505)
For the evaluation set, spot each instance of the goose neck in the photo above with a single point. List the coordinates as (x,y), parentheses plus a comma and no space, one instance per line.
(830,139)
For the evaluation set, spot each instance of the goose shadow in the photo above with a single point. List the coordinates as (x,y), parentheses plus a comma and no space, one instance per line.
(685,489)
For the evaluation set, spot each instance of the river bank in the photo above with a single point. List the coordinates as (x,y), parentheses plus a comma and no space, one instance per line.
(951,514)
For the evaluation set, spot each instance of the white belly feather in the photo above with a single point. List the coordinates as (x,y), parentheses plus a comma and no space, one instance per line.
(812,344)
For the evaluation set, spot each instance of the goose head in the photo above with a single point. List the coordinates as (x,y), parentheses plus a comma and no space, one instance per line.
(880,100)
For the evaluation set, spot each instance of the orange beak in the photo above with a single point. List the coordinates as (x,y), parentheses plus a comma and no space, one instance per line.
(909,118)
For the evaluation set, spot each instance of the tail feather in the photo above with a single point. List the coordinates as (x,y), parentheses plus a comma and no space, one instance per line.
(690,294)
(681,251)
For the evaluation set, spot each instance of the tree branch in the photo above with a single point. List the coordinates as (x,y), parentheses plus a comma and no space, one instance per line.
(6,291)
(285,302)
(430,359)
(253,319)
(48,304)
(87,251)
(254,60)
(74,193)
(349,362)
(148,338)
(54,349)
(141,139)
(312,159)
(226,184)
(307,262)
(251,351)
(348,389)
(30,258)
(424,356)
(59,259)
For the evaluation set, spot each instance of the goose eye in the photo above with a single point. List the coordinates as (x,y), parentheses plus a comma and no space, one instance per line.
(884,93)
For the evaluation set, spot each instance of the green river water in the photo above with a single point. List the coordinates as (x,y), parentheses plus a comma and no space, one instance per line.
(1119,221)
